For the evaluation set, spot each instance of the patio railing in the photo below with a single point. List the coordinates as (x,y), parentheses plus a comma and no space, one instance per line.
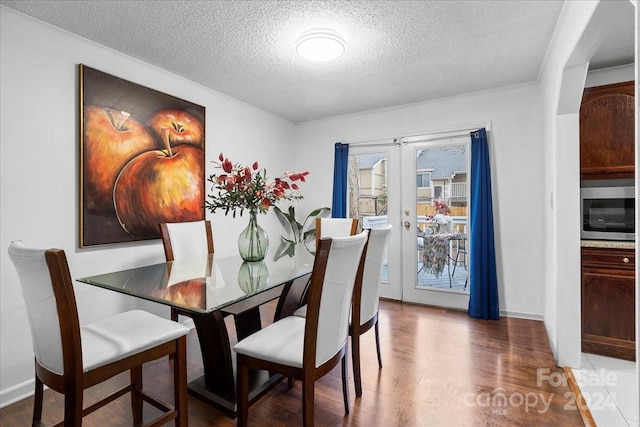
(458,190)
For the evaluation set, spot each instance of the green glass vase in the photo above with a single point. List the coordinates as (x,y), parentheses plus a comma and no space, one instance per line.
(253,276)
(253,241)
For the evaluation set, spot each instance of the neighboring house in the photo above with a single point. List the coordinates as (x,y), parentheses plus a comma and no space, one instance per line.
(373,174)
(372,184)
(441,174)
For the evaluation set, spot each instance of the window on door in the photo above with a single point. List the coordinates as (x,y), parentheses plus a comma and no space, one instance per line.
(405,185)
(442,218)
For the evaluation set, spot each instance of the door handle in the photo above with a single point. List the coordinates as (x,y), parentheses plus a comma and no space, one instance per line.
(407,225)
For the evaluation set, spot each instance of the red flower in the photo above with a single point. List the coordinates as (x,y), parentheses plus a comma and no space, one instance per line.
(239,188)
(227,166)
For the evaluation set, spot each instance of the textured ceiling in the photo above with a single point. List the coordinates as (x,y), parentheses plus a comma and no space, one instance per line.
(398,52)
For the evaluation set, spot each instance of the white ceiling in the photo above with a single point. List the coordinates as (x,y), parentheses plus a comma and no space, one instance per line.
(398,52)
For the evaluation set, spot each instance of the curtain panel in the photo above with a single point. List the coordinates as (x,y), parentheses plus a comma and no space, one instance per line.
(340,177)
(483,297)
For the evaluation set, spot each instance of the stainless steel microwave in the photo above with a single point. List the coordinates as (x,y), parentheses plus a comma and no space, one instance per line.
(608,213)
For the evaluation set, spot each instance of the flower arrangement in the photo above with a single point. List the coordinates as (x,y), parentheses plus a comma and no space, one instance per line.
(443,221)
(441,207)
(240,187)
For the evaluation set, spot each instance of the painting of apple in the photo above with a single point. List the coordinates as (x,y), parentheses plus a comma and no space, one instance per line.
(184,127)
(133,173)
(160,186)
(111,138)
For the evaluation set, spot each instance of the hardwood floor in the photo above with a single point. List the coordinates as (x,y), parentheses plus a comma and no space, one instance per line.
(440,368)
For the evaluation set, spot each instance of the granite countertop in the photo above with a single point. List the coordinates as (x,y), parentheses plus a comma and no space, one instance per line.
(612,244)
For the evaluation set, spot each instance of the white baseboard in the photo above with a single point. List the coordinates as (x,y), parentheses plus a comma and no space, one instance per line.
(522,315)
(16,393)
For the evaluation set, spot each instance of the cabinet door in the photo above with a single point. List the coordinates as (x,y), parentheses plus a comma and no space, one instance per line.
(607,117)
(608,312)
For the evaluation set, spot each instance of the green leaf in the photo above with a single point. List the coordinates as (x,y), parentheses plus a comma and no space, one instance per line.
(317,211)
(285,240)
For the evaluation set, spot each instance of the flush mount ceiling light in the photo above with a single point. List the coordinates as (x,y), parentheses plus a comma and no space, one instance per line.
(320,45)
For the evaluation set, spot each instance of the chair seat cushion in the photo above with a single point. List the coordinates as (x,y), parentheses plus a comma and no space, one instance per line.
(114,338)
(301,312)
(281,342)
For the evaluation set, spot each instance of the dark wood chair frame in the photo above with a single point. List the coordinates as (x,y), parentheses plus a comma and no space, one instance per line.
(74,381)
(309,373)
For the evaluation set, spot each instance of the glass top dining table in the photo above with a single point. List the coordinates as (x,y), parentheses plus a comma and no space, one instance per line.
(204,284)
(210,288)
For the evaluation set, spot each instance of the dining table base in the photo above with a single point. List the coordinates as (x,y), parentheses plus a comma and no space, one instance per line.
(260,382)
(217,386)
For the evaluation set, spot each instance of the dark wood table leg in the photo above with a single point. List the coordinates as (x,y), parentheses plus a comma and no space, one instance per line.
(247,323)
(218,384)
(292,297)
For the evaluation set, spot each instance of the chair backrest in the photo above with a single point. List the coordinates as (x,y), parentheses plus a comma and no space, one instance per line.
(186,239)
(367,297)
(328,307)
(335,227)
(48,294)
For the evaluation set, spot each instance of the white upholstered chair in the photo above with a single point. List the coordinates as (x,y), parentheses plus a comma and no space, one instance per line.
(308,348)
(70,358)
(335,227)
(183,240)
(366,296)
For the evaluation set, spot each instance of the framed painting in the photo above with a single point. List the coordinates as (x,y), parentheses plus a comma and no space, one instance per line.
(141,160)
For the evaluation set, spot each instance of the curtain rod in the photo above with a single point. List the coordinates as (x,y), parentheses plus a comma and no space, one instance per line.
(421,137)
(439,136)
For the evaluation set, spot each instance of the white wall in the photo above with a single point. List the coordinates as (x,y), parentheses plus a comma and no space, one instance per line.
(517,172)
(605,76)
(39,167)
(581,28)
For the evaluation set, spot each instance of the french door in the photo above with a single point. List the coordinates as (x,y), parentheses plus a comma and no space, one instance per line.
(420,185)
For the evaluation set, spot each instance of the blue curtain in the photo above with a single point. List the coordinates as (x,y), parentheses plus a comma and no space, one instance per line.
(339,203)
(483,298)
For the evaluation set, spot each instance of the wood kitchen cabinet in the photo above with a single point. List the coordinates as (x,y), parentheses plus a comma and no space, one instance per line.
(607,117)
(608,302)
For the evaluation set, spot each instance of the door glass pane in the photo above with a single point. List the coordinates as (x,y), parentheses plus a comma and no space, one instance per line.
(442,220)
(367,193)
